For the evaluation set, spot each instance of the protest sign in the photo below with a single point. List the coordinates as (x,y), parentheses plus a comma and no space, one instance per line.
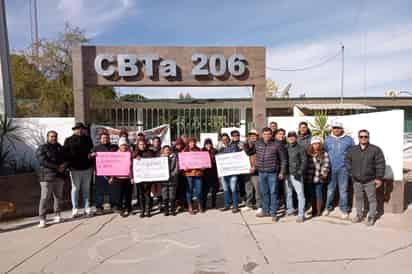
(232,164)
(151,169)
(113,163)
(194,160)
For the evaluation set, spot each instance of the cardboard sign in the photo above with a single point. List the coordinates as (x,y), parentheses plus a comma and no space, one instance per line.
(194,160)
(113,163)
(232,164)
(151,169)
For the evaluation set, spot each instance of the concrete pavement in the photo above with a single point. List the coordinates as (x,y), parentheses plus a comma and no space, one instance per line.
(210,243)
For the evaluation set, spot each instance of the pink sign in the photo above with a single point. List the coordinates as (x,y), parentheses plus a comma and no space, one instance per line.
(194,160)
(113,163)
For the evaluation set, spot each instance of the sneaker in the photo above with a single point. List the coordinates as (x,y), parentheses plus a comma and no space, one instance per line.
(42,224)
(300,219)
(224,209)
(344,216)
(259,210)
(371,221)
(89,212)
(235,210)
(57,219)
(125,214)
(75,213)
(275,219)
(246,208)
(357,219)
(326,212)
(262,214)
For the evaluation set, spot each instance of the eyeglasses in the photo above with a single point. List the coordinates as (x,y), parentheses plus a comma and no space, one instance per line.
(363,136)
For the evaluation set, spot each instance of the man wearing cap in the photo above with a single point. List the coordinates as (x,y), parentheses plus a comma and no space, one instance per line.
(252,179)
(337,145)
(76,150)
(366,166)
(294,181)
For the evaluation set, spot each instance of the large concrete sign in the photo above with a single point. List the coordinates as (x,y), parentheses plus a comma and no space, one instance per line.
(169,66)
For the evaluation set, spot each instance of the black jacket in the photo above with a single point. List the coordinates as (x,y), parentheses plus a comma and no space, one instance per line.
(365,165)
(76,151)
(50,157)
(304,140)
(270,157)
(297,160)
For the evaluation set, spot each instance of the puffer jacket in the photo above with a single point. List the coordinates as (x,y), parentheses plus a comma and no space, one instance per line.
(297,160)
(337,147)
(365,165)
(270,157)
(50,156)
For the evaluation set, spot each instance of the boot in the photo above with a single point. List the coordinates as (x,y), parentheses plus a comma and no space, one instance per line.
(200,207)
(166,207)
(149,205)
(173,208)
(319,205)
(190,209)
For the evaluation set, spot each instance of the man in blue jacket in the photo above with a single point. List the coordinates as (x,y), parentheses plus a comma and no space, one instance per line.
(337,145)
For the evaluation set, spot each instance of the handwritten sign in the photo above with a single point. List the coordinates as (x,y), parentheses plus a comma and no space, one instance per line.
(113,163)
(151,169)
(232,164)
(194,160)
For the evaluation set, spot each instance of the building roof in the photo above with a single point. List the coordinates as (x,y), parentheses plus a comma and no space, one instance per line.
(335,107)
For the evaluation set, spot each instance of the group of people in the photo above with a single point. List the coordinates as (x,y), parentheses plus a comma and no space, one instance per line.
(292,168)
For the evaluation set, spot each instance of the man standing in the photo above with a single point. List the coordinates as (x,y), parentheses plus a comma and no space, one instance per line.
(271,165)
(274,127)
(366,166)
(304,135)
(102,182)
(76,149)
(241,179)
(51,159)
(294,181)
(252,179)
(337,145)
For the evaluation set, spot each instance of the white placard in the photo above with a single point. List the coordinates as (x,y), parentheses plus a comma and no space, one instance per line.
(151,169)
(234,163)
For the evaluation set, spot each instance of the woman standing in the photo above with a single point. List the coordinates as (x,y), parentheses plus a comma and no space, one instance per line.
(317,173)
(230,186)
(193,180)
(169,187)
(144,188)
(122,186)
(210,179)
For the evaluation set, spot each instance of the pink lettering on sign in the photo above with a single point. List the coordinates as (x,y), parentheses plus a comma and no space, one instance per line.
(194,160)
(113,163)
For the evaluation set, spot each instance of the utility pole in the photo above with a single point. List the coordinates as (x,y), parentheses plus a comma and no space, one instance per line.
(342,73)
(6,94)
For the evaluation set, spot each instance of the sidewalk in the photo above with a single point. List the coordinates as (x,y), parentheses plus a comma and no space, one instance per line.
(210,243)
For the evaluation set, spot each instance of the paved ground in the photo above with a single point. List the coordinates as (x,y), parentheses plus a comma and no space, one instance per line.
(209,243)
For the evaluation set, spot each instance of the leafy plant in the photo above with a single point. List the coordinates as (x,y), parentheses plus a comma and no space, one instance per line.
(9,134)
(319,126)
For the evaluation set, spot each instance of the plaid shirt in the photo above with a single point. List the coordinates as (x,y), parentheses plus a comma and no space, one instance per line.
(318,168)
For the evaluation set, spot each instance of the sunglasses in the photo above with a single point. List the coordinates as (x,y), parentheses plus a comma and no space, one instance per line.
(363,136)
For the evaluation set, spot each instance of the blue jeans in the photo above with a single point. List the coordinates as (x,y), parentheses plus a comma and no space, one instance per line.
(339,178)
(230,191)
(293,184)
(317,191)
(81,181)
(269,190)
(194,183)
(102,188)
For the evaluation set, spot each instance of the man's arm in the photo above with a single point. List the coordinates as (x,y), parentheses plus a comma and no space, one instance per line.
(380,164)
(44,160)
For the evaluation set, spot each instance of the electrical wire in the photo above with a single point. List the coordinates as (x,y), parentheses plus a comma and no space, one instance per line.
(327,60)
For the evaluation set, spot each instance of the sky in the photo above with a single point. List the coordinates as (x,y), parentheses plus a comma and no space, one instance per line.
(376,34)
